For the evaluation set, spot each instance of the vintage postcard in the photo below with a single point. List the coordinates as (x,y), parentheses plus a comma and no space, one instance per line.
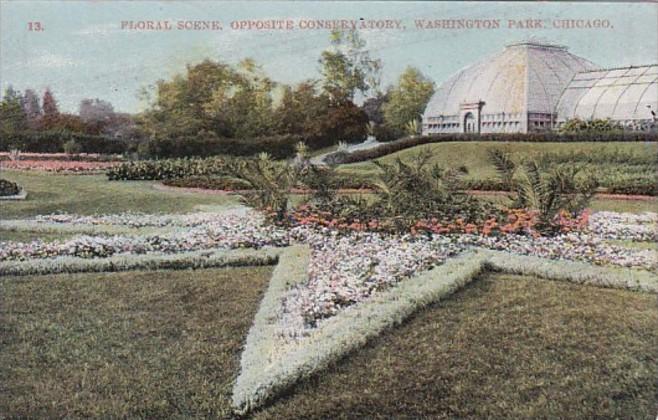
(328,209)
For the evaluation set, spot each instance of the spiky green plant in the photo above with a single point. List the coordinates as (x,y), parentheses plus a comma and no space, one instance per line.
(538,184)
(270,181)
(419,188)
(504,164)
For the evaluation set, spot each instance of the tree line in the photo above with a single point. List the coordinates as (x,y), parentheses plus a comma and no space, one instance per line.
(217,103)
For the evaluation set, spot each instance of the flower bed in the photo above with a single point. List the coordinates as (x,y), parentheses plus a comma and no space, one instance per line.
(346,267)
(59,165)
(135,220)
(224,232)
(87,157)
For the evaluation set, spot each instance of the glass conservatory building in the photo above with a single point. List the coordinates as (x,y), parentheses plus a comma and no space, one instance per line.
(532,86)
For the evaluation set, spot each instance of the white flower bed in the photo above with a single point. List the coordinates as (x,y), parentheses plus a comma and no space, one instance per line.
(635,227)
(344,269)
(136,220)
(571,246)
(227,231)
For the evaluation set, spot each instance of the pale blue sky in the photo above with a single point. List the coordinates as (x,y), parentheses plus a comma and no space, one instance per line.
(83,53)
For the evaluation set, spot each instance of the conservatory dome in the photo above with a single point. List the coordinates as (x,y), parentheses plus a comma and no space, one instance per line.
(626,95)
(515,90)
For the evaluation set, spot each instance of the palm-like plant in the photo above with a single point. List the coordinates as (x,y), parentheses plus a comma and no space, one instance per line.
(270,182)
(546,189)
(504,164)
(403,184)
(419,188)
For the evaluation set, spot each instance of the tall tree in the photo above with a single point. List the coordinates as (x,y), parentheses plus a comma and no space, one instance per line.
(407,100)
(301,108)
(215,99)
(95,110)
(12,115)
(347,67)
(32,107)
(50,109)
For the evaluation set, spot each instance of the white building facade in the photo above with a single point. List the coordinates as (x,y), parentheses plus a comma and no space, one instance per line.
(532,86)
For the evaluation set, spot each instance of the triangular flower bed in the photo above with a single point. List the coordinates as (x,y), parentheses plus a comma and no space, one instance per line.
(270,364)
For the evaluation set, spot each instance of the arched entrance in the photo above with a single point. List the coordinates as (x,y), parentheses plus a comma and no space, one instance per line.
(469,123)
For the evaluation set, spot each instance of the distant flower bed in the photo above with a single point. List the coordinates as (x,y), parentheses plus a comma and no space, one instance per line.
(8,188)
(88,157)
(58,165)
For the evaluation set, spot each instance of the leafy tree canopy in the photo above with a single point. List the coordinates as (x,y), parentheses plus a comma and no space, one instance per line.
(407,100)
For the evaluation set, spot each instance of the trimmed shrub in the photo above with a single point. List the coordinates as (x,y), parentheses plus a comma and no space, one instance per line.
(8,188)
(549,137)
(167,169)
(126,262)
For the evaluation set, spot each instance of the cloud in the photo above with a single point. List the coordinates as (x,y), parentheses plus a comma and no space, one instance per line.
(98,29)
(50,60)
(108,29)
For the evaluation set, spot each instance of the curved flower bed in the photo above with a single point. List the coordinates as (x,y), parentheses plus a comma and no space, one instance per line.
(59,165)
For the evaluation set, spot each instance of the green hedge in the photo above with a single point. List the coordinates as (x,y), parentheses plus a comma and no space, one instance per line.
(166,169)
(549,137)
(53,142)
(638,186)
(280,147)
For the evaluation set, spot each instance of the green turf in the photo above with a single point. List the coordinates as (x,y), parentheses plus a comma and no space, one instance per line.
(94,194)
(504,347)
(156,344)
(624,206)
(28,236)
(597,204)
(474,156)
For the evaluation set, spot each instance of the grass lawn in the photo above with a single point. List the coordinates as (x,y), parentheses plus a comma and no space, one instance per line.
(624,206)
(474,154)
(29,236)
(94,194)
(136,344)
(597,204)
(504,347)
